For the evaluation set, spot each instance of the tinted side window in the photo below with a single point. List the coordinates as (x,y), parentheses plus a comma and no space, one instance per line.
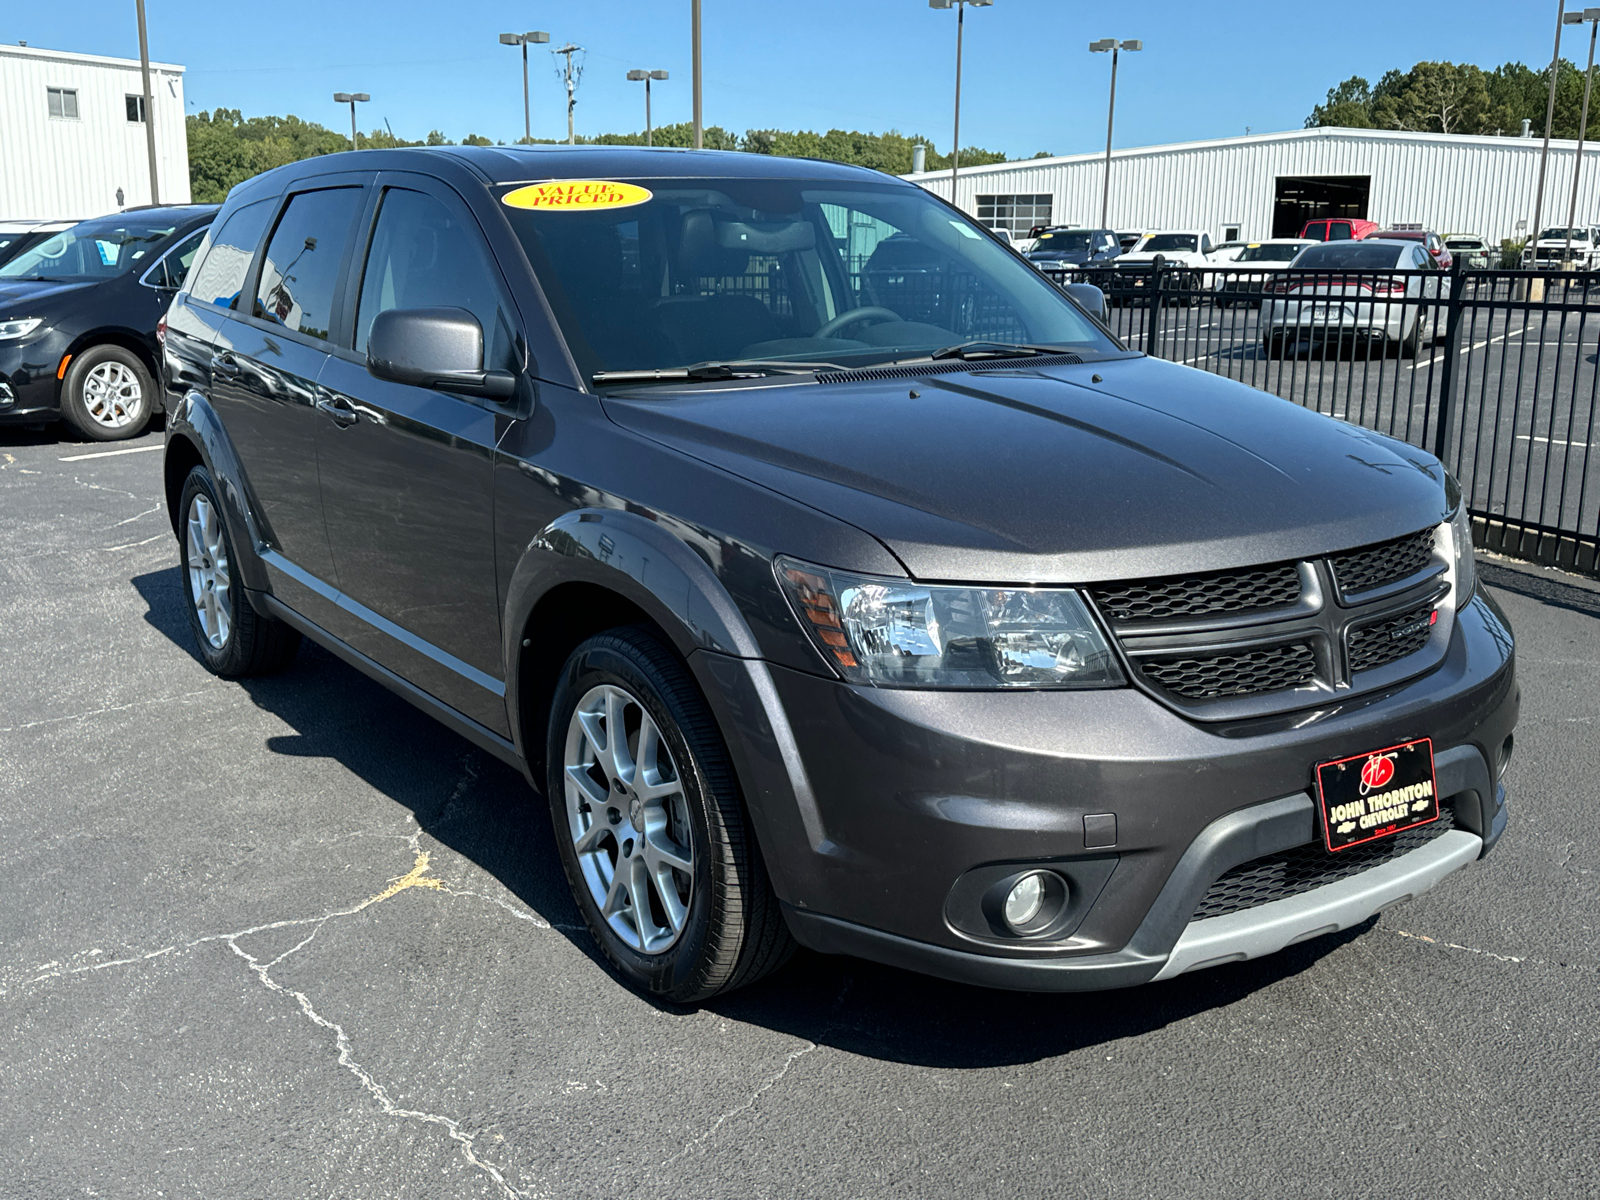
(425,256)
(222,268)
(175,266)
(300,273)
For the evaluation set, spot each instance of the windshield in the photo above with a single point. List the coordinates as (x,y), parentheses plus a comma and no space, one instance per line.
(1278,253)
(1168,241)
(1352,256)
(1063,241)
(697,271)
(91,250)
(1560,235)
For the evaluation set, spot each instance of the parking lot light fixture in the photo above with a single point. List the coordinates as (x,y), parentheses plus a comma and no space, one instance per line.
(647,76)
(961,19)
(535,38)
(1101,47)
(352,99)
(1592,16)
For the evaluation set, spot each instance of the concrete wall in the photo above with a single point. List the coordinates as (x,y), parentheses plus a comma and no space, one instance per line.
(64,169)
(1448,183)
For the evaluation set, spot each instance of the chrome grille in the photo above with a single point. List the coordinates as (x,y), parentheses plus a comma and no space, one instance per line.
(1293,872)
(1240,673)
(1389,562)
(1248,590)
(1389,640)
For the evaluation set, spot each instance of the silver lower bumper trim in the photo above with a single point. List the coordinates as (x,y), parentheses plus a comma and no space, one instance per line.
(1270,927)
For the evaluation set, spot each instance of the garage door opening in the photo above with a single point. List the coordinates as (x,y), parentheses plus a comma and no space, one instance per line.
(1302,198)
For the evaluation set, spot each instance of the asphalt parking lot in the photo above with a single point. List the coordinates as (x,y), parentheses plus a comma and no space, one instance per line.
(290,938)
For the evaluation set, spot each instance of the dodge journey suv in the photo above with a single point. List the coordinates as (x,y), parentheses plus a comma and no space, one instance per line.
(897,613)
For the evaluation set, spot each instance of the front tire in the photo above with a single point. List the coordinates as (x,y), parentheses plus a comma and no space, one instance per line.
(652,831)
(107,394)
(233,640)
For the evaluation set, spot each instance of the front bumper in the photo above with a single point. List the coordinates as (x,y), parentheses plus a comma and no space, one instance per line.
(909,796)
(28,388)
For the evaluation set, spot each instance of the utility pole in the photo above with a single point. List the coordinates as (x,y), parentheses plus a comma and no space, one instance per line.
(572,85)
(694,37)
(149,106)
(1549,117)
(1592,15)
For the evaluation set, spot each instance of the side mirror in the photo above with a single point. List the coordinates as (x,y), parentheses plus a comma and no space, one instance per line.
(435,348)
(1091,299)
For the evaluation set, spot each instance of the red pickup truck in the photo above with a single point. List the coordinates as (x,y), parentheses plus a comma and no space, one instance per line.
(1338,229)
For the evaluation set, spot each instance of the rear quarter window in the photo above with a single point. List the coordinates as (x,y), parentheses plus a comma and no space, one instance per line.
(224,260)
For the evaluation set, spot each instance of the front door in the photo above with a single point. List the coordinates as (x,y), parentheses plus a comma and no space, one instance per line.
(407,472)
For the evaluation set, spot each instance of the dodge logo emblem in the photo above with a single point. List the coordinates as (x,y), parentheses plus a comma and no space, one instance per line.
(1376,772)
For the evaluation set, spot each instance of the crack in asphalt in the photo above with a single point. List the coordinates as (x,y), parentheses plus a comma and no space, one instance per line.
(417,878)
(110,708)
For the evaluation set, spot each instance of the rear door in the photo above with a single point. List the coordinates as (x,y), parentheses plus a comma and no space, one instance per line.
(408,472)
(266,361)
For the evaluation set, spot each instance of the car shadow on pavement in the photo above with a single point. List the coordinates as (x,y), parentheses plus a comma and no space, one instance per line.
(1549,589)
(482,809)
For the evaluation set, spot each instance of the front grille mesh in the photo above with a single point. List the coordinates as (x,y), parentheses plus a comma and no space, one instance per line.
(1247,590)
(1292,872)
(1241,673)
(1388,562)
(1376,645)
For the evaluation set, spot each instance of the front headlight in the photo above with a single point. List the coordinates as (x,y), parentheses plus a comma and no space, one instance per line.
(1463,567)
(896,633)
(18,327)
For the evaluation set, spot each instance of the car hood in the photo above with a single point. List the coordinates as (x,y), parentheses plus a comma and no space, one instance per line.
(1110,470)
(27,293)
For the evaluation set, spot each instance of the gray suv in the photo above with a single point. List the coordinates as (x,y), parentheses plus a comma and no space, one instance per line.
(835,577)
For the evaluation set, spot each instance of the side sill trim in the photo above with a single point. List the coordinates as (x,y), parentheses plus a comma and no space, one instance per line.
(1269,928)
(478,735)
(381,623)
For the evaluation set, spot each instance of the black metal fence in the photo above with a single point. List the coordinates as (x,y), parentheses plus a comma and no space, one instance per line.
(1493,371)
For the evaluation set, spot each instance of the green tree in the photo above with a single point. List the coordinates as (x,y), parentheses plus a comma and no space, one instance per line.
(1348,106)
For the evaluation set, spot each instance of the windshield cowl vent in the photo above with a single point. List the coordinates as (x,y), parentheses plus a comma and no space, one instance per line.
(912,371)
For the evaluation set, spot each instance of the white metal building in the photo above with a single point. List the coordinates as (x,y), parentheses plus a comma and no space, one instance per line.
(1270,184)
(72,134)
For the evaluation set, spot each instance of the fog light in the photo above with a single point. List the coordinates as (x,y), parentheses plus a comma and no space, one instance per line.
(1024,900)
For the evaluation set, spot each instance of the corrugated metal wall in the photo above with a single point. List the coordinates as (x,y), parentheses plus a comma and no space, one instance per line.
(64,169)
(1470,184)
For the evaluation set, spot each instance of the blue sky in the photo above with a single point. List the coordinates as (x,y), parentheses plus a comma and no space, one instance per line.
(1029,82)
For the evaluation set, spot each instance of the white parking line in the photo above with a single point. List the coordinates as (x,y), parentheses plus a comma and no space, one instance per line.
(1528,437)
(112,453)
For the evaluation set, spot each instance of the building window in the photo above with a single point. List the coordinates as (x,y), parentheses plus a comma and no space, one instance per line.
(1015,214)
(63,103)
(135,106)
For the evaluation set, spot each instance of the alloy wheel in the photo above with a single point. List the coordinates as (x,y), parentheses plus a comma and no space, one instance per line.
(112,394)
(628,819)
(210,580)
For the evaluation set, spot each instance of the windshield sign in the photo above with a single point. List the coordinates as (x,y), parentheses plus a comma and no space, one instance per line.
(1063,241)
(90,250)
(684,273)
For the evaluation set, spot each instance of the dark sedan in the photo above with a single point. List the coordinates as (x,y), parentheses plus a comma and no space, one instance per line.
(834,576)
(79,316)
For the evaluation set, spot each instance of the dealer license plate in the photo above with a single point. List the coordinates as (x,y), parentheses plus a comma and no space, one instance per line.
(1377,794)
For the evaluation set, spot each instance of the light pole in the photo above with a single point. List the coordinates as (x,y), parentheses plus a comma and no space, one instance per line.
(524,39)
(961,20)
(694,38)
(1591,15)
(149,116)
(352,99)
(1101,47)
(1544,155)
(647,76)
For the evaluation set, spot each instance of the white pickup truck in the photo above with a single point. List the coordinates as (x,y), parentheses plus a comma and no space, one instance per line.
(1551,249)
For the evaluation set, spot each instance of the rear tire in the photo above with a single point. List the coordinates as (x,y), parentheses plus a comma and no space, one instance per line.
(233,640)
(107,394)
(1411,344)
(1272,345)
(650,825)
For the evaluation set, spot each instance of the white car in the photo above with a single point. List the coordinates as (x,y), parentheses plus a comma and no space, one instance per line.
(1255,266)
(1177,249)
(1388,291)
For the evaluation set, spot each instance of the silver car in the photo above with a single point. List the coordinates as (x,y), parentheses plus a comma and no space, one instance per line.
(1374,289)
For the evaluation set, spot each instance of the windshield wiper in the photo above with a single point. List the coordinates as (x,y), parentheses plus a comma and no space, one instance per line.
(698,372)
(981,348)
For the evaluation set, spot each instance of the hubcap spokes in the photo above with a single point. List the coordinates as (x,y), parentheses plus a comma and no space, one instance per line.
(209,578)
(628,819)
(112,395)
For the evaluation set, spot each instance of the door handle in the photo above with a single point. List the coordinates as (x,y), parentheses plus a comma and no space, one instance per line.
(335,406)
(224,364)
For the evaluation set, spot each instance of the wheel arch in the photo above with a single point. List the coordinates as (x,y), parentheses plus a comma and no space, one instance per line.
(126,339)
(196,437)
